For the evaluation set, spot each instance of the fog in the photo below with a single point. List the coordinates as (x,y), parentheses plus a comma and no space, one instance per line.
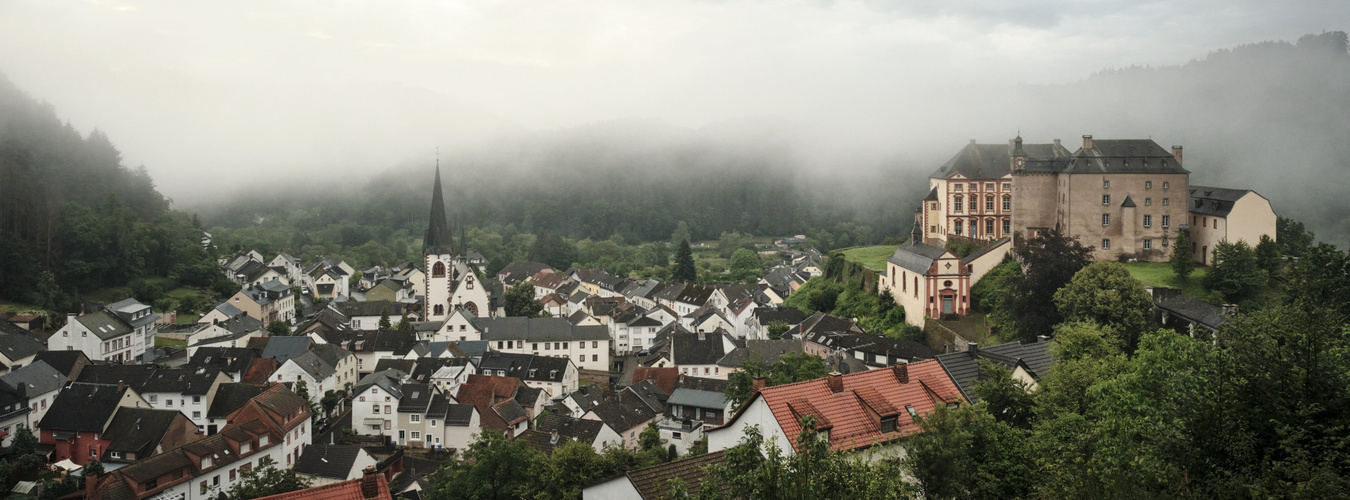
(221,99)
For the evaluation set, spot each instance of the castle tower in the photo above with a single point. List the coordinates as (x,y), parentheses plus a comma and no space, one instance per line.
(438,257)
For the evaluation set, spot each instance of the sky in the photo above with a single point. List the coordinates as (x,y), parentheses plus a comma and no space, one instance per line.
(210,95)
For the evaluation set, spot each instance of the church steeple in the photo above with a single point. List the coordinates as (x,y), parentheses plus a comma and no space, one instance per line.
(438,240)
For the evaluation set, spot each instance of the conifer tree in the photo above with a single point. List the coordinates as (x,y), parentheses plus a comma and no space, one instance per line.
(684,264)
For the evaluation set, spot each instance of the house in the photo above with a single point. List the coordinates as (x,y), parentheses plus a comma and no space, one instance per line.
(18,350)
(189,390)
(1223,214)
(593,432)
(108,335)
(389,290)
(366,315)
(267,302)
(757,325)
(234,362)
(374,403)
(684,298)
(222,312)
(494,397)
(333,463)
(25,396)
(323,368)
(1176,311)
(635,328)
(371,486)
(682,433)
(69,363)
(330,283)
(139,433)
(1027,361)
(289,266)
(518,271)
(587,346)
(654,482)
(75,424)
(929,281)
(869,411)
(872,350)
(554,375)
(370,346)
(450,424)
(628,412)
(698,354)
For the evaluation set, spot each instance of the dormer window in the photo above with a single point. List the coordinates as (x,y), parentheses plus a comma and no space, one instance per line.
(206,462)
(245,448)
(888,424)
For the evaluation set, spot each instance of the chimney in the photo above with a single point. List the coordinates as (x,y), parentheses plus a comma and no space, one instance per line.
(1042,338)
(1176,153)
(758,384)
(120,386)
(973,349)
(1087,142)
(901,371)
(90,484)
(370,485)
(836,382)
(1229,309)
(1057,143)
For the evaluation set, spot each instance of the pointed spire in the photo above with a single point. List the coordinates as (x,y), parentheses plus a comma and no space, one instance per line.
(438,240)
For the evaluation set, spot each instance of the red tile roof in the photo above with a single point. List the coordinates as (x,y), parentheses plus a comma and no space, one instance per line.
(853,414)
(355,489)
(665,378)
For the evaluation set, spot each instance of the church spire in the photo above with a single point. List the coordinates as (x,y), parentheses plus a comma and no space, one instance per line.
(438,240)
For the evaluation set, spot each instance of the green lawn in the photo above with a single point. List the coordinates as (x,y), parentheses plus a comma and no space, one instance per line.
(167,342)
(872,257)
(1160,274)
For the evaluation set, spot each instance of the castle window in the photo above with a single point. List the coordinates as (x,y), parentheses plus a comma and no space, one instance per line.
(1106,220)
(1148,244)
(1148,202)
(1166,202)
(1007,203)
(974,187)
(956,187)
(1148,221)
(1148,184)
(989,187)
(973,201)
(1165,241)
(1166,184)
(989,227)
(438,270)
(989,203)
(1106,244)
(958,228)
(957,206)
(1007,227)
(1106,199)
(1106,184)
(1007,186)
(1166,221)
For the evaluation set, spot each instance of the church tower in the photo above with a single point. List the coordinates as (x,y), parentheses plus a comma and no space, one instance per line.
(438,256)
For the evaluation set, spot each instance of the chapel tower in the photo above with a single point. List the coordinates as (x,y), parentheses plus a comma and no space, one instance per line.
(438,256)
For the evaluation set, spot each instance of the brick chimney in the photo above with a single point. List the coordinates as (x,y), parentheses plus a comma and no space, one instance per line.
(1087,142)
(370,483)
(120,386)
(836,382)
(1176,153)
(901,371)
(758,384)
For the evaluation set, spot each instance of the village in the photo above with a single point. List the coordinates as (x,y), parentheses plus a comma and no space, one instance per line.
(378,377)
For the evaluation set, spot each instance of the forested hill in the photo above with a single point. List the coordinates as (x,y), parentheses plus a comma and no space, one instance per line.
(74,219)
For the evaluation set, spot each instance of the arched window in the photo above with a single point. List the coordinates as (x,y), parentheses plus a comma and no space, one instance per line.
(438,271)
(472,307)
(439,309)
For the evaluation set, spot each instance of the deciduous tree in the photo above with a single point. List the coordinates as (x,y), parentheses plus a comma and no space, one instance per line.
(1104,292)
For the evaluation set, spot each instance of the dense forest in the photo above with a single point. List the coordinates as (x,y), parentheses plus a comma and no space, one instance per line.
(74,219)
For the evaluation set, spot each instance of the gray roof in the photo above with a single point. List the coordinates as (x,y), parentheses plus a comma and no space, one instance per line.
(228,310)
(18,346)
(1217,202)
(964,369)
(915,256)
(697,348)
(697,398)
(312,364)
(37,378)
(538,330)
(991,161)
(459,414)
(138,430)
(105,325)
(989,247)
(284,348)
(1124,156)
(1195,311)
(127,310)
(766,350)
(328,460)
(389,380)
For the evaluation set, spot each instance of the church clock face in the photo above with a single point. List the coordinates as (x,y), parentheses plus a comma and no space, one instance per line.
(1021,162)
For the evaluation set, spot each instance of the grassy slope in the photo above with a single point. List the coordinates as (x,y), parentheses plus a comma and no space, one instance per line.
(872,257)
(1160,274)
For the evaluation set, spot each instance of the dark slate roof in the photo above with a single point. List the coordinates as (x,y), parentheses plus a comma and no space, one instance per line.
(695,294)
(1213,201)
(906,350)
(189,381)
(312,364)
(587,396)
(697,398)
(766,350)
(697,348)
(354,308)
(537,330)
(510,411)
(328,460)
(581,430)
(105,325)
(932,195)
(984,250)
(991,161)
(82,407)
(624,412)
(459,414)
(416,398)
(35,379)
(438,239)
(403,365)
(227,359)
(1128,203)
(1124,156)
(528,396)
(1192,310)
(915,256)
(284,348)
(520,270)
(389,380)
(964,369)
(138,430)
(230,397)
(524,366)
(543,442)
(654,482)
(789,315)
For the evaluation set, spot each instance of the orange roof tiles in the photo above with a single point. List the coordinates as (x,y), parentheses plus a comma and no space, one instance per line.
(922,386)
(373,486)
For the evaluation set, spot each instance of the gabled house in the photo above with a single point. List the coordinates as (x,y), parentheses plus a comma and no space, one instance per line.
(698,353)
(25,396)
(326,464)
(494,397)
(69,363)
(629,411)
(593,432)
(518,271)
(871,410)
(103,336)
(188,390)
(267,302)
(1028,363)
(18,350)
(323,368)
(874,351)
(450,424)
(375,402)
(139,433)
(554,375)
(80,413)
(757,325)
(655,482)
(366,315)
(587,346)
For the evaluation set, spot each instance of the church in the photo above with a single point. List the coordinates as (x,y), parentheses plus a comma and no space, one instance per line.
(451,282)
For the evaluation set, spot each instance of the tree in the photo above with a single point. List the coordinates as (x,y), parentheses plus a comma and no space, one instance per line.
(1104,292)
(791,367)
(1234,272)
(403,324)
(1268,255)
(330,401)
(681,234)
(1008,399)
(520,301)
(967,453)
(1293,238)
(572,467)
(266,480)
(278,328)
(494,468)
(384,319)
(1321,279)
(728,243)
(93,468)
(746,265)
(1182,263)
(684,264)
(776,329)
(1049,262)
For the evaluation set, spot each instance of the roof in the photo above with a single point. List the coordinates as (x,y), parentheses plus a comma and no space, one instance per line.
(227,359)
(35,379)
(625,411)
(354,308)
(1124,156)
(105,325)
(697,398)
(695,294)
(1214,201)
(537,330)
(915,256)
(232,396)
(82,407)
(654,482)
(767,350)
(313,365)
(922,386)
(542,441)
(902,350)
(63,361)
(585,431)
(992,161)
(1192,310)
(788,315)
(416,398)
(284,348)
(663,377)
(520,270)
(138,430)
(438,239)
(697,348)
(371,486)
(964,368)
(510,412)
(328,460)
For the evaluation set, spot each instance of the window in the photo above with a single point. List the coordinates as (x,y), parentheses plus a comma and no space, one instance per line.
(202,487)
(989,186)
(1007,226)
(1165,245)
(169,401)
(1166,220)
(957,225)
(433,422)
(196,414)
(1007,186)
(232,471)
(1148,244)
(262,440)
(974,187)
(595,357)
(154,399)
(564,345)
(534,346)
(1106,199)
(116,454)
(957,206)
(415,418)
(1106,220)
(416,435)
(581,358)
(375,409)
(547,345)
(1148,220)
(1106,244)
(989,203)
(206,462)
(387,410)
(888,424)
(196,399)
(956,187)
(1148,202)
(973,201)
(1166,184)
(1106,184)
(246,468)
(674,435)
(1148,184)
(1166,202)
(1007,203)
(989,227)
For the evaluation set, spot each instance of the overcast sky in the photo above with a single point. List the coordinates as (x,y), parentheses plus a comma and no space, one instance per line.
(206,94)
